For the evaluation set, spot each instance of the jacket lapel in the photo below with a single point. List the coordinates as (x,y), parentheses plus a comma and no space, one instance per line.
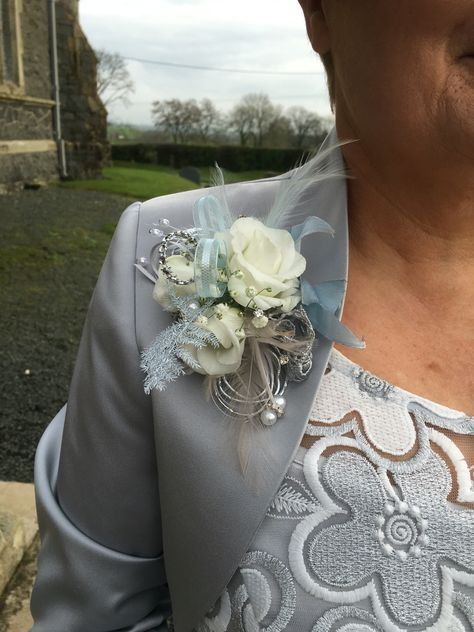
(209,514)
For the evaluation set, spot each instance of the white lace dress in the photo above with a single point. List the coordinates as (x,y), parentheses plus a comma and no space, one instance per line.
(372,528)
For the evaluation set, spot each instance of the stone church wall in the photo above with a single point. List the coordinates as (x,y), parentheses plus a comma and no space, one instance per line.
(28,149)
(84,117)
(26,110)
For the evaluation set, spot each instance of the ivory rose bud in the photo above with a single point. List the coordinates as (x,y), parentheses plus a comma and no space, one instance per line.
(183,269)
(264,266)
(226,324)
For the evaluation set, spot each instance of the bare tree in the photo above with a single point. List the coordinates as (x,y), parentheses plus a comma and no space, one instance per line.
(241,120)
(279,133)
(209,118)
(266,116)
(304,125)
(191,115)
(114,83)
(178,118)
(253,117)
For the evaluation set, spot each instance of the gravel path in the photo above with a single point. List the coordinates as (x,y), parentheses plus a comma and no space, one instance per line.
(52,244)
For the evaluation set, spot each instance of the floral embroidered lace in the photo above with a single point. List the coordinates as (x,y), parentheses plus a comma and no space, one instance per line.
(372,528)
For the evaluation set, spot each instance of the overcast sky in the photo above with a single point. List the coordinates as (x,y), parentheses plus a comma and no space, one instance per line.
(266,35)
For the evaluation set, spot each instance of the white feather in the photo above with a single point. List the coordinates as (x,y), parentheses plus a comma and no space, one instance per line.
(255,449)
(284,209)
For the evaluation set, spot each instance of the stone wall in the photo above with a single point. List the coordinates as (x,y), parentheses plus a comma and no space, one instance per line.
(83,115)
(29,116)
(19,171)
(25,121)
(36,47)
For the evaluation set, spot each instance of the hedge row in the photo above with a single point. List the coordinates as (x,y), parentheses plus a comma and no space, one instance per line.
(231,157)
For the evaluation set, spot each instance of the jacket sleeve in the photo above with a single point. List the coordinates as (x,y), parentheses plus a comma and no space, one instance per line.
(101,563)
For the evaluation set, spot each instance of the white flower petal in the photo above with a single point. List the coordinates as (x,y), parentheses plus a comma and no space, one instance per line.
(268,261)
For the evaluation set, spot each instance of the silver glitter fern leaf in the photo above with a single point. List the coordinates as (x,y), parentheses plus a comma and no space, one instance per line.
(168,356)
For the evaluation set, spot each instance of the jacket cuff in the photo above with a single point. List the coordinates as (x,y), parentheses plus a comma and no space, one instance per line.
(81,584)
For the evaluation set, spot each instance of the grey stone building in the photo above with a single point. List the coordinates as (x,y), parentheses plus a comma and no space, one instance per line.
(52,122)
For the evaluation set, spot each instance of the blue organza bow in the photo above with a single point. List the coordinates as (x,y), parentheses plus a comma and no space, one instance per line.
(322,301)
(211,253)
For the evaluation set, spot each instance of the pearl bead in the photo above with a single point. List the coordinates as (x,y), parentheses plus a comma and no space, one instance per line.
(280,402)
(268,417)
(259,322)
(193,306)
(156,231)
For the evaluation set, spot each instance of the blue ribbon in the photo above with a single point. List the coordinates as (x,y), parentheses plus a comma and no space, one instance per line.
(209,264)
(210,216)
(321,304)
(311,225)
(322,301)
(210,258)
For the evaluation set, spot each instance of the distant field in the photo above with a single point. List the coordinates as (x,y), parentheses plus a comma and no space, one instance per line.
(140,181)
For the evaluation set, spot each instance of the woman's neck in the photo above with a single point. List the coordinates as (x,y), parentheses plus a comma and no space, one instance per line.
(412,235)
(410,291)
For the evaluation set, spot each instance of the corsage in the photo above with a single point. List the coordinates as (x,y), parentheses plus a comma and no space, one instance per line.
(244,316)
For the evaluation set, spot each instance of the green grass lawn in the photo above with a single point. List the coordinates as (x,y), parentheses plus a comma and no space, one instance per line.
(229,176)
(137,183)
(142,181)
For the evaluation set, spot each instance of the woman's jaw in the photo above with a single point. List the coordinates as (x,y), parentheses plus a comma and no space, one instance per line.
(404,77)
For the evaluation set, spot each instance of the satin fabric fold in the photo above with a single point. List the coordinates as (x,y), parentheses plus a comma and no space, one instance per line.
(84,582)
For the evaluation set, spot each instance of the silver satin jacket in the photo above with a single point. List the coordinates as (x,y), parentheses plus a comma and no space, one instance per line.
(130,488)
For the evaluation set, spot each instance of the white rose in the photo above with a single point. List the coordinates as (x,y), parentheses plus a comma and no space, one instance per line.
(182,268)
(267,266)
(226,324)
